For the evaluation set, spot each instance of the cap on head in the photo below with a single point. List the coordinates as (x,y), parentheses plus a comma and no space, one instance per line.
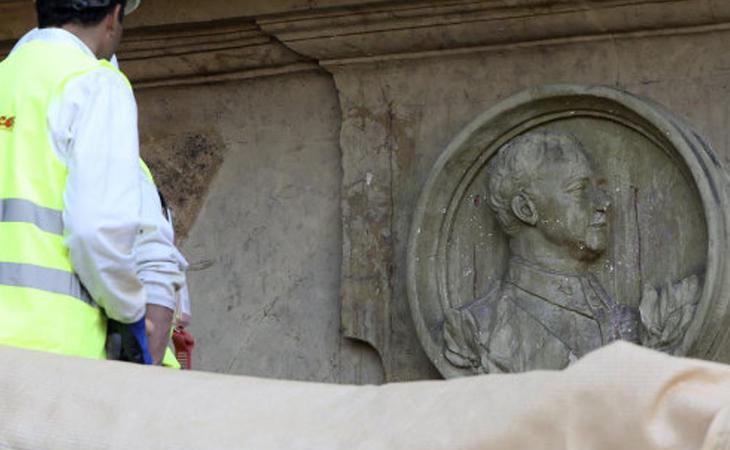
(81,5)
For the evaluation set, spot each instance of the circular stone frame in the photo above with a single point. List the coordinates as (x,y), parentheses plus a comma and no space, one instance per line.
(467,155)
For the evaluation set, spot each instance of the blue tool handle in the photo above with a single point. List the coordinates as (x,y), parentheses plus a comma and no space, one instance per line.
(128,342)
(139,332)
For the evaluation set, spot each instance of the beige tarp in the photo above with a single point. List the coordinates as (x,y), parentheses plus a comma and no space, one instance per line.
(619,398)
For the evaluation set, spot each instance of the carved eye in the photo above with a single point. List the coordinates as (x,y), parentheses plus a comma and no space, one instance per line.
(578,187)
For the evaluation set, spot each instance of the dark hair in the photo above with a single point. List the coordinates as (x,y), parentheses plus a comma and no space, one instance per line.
(57,13)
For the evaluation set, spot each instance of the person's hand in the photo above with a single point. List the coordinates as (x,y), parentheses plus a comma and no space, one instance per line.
(158,325)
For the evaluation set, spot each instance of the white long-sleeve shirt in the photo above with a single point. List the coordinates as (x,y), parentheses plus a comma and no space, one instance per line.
(160,265)
(110,229)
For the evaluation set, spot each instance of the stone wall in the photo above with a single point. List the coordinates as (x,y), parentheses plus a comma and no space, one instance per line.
(308,128)
(265,248)
(411,76)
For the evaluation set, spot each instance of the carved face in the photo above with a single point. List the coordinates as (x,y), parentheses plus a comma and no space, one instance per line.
(572,209)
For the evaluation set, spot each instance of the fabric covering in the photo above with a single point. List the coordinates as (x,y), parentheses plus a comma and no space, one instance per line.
(621,397)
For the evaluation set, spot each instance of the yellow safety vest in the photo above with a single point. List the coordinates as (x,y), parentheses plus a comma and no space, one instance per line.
(43,305)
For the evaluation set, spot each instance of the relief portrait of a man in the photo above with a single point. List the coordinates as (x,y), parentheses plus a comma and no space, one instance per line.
(548,309)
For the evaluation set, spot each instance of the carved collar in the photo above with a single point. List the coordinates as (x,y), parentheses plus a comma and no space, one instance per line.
(562,290)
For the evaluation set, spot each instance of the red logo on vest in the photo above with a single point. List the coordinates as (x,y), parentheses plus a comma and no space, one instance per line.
(6,123)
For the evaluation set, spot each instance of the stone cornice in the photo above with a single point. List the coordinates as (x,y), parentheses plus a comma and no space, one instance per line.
(212,51)
(206,52)
(16,16)
(202,53)
(427,28)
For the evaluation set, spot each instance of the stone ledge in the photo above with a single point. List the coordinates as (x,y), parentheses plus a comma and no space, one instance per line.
(16,16)
(213,51)
(201,53)
(357,34)
(206,52)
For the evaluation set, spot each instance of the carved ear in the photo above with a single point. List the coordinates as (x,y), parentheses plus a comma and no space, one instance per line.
(524,209)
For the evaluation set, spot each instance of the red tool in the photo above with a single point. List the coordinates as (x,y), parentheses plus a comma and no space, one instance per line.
(184,343)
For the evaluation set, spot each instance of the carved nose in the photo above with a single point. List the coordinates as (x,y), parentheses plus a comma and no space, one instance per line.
(603,201)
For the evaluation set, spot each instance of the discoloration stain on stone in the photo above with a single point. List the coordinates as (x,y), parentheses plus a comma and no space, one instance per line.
(184,166)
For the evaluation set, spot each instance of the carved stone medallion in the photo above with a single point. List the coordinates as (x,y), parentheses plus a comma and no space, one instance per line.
(563,219)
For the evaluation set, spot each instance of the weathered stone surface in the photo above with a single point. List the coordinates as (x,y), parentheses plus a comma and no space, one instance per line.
(160,12)
(18,15)
(179,53)
(556,216)
(417,29)
(183,162)
(204,53)
(377,141)
(265,248)
(675,69)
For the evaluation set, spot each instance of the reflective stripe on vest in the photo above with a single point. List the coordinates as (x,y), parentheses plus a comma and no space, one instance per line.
(44,279)
(36,277)
(19,210)
(43,305)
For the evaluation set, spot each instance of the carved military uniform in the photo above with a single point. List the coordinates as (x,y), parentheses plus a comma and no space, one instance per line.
(536,319)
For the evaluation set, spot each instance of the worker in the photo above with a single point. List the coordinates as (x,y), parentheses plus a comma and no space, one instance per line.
(71,194)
